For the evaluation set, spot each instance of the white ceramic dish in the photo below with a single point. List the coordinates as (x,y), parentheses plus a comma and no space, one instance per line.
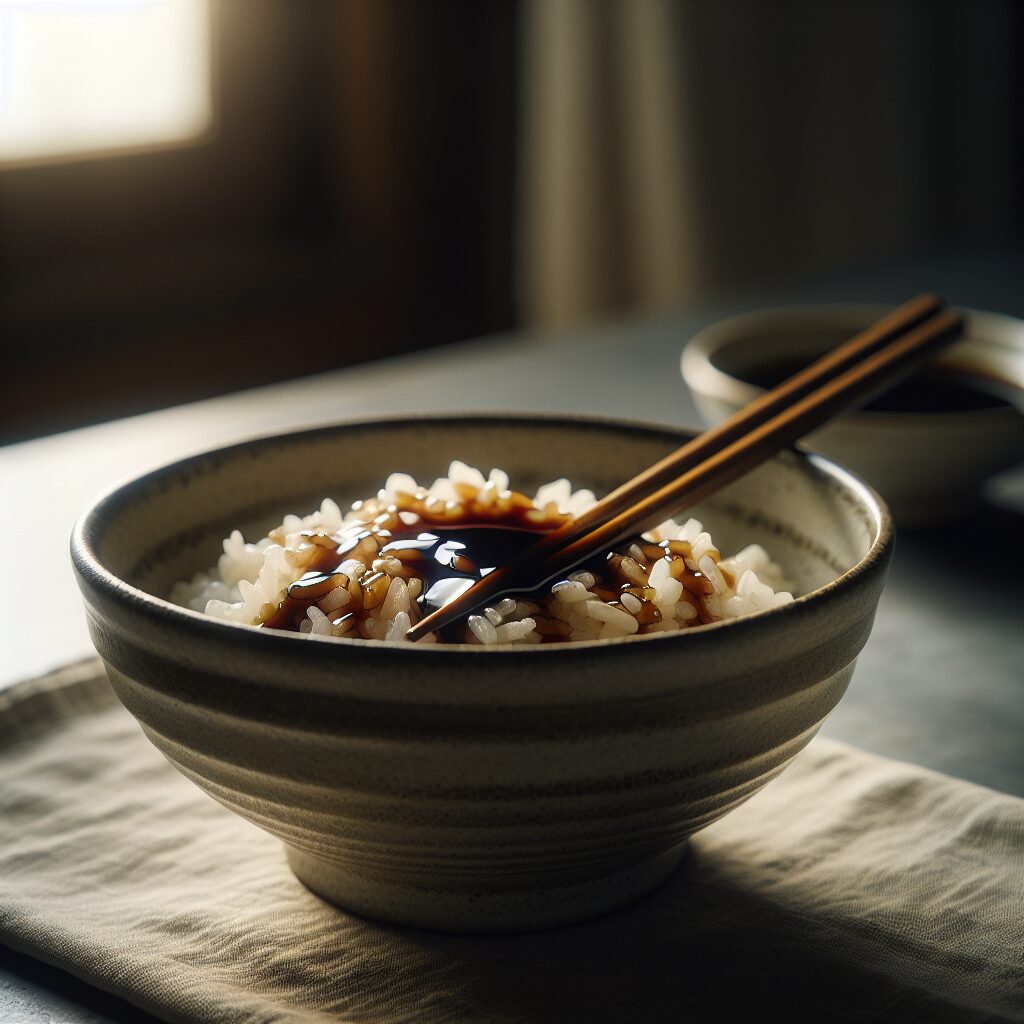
(929,466)
(469,788)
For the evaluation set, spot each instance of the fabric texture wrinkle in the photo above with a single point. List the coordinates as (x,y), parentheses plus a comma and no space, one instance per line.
(851,888)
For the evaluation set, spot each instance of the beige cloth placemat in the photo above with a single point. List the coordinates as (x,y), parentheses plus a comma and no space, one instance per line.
(851,888)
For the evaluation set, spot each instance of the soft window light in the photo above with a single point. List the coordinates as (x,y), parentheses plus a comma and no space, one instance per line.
(80,77)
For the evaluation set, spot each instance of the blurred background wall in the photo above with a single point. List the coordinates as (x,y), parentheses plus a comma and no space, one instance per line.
(675,148)
(364,177)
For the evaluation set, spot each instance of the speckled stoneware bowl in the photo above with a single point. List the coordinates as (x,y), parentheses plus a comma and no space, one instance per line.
(929,466)
(464,788)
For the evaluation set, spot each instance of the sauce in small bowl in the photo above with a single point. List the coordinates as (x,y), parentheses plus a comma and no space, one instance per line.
(928,445)
(933,390)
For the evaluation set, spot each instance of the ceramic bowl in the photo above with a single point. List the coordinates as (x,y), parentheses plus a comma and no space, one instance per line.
(463,788)
(929,466)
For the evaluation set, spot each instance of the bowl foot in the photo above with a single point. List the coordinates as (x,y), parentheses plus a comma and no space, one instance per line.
(466,911)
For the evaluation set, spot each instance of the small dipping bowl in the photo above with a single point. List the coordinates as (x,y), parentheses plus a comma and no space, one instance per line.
(464,788)
(929,459)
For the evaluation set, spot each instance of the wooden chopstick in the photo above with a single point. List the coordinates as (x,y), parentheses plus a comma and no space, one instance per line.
(880,333)
(850,374)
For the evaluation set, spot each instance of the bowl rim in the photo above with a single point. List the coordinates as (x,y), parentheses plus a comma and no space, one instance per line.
(704,376)
(92,573)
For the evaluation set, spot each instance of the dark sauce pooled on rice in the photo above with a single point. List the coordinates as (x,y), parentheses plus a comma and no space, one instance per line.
(373,572)
(442,559)
(447,559)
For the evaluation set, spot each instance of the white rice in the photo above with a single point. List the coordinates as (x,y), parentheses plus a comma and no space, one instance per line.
(251,578)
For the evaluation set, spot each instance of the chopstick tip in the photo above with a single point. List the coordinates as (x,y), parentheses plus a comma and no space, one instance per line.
(417,632)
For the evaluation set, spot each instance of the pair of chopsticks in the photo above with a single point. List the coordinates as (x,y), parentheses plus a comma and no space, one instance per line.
(849,375)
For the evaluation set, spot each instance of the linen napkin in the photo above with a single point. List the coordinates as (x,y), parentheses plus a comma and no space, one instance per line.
(851,888)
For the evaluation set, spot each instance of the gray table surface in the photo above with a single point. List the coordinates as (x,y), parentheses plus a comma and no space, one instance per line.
(940,682)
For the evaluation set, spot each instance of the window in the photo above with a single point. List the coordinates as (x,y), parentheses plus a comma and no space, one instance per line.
(347,196)
(91,77)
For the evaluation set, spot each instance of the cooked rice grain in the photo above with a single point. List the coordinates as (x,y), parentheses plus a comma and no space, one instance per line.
(373,598)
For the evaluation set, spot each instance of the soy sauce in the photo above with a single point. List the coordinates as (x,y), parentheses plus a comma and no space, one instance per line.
(933,390)
(449,560)
(349,575)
